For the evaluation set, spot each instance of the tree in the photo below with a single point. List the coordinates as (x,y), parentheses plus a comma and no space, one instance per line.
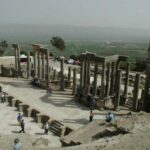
(50,54)
(58,42)
(23,53)
(75,57)
(140,65)
(3,46)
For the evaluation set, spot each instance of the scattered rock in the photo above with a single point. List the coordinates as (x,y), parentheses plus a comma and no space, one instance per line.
(40,141)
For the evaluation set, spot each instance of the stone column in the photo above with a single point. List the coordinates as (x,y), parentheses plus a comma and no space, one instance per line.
(136,91)
(28,66)
(118,89)
(16,61)
(39,66)
(47,67)
(54,74)
(112,84)
(62,84)
(69,73)
(108,80)
(85,74)
(117,68)
(127,80)
(19,68)
(95,80)
(82,75)
(69,76)
(117,65)
(103,81)
(74,81)
(43,66)
(146,102)
(88,72)
(35,64)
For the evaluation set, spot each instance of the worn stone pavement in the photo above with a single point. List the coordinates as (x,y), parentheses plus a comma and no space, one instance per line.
(58,105)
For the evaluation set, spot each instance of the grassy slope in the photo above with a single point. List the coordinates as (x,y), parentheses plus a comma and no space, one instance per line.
(133,50)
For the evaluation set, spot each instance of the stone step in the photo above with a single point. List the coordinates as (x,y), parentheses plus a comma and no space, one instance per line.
(129,103)
(128,106)
(57,124)
(56,127)
(55,132)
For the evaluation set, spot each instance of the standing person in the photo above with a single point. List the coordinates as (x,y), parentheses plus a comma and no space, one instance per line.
(17,145)
(2,96)
(91,116)
(110,117)
(46,127)
(22,125)
(19,118)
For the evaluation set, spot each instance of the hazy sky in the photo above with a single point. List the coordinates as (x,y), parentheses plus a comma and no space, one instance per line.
(103,13)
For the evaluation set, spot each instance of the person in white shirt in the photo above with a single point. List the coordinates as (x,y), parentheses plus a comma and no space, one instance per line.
(46,127)
(17,145)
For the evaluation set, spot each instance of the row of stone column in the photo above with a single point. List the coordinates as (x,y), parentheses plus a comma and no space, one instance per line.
(39,65)
(135,91)
(109,79)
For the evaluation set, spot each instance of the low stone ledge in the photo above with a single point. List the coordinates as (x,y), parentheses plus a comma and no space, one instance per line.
(12,102)
(29,111)
(23,108)
(17,103)
(42,118)
(8,98)
(34,113)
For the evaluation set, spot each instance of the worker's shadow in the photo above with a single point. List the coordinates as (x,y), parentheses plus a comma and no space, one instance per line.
(40,133)
(14,124)
(16,132)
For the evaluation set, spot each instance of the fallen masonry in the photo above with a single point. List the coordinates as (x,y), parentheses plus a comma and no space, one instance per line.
(96,130)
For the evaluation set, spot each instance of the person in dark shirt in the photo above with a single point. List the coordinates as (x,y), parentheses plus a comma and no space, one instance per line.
(22,127)
(91,116)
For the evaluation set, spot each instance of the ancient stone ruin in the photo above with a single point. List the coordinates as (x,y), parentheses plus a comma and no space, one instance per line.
(97,77)
(108,93)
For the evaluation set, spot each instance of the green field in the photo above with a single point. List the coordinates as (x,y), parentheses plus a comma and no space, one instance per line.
(132,50)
